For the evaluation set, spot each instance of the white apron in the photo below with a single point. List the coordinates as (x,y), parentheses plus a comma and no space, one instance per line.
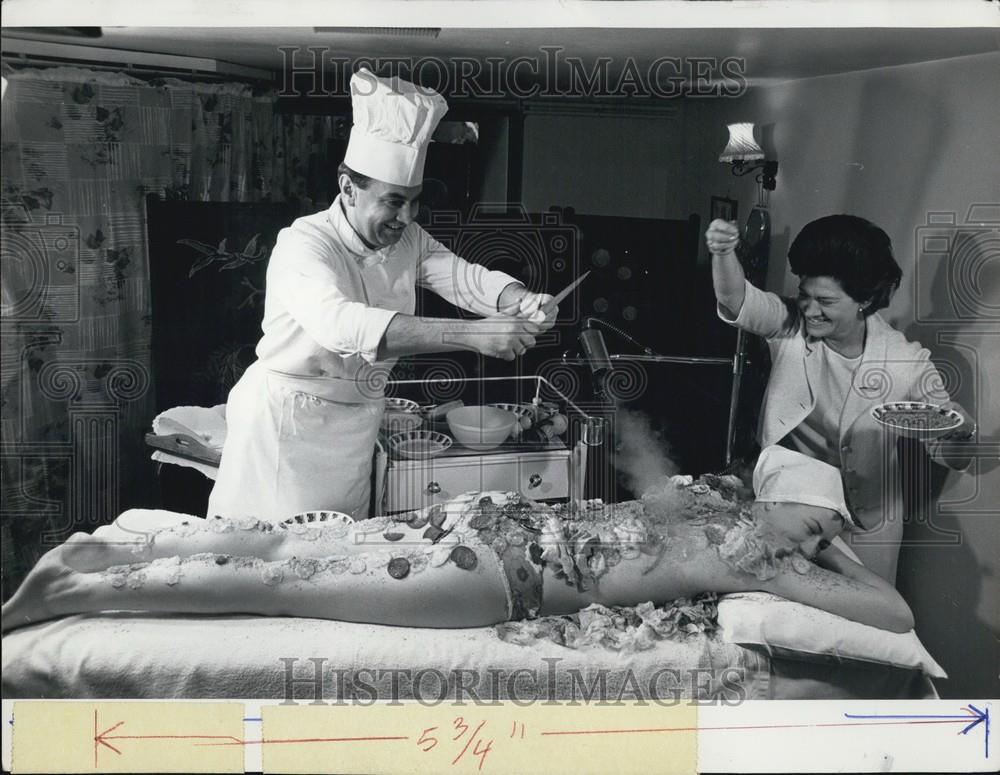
(288,450)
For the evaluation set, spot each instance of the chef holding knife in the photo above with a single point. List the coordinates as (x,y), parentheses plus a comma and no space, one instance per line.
(303,420)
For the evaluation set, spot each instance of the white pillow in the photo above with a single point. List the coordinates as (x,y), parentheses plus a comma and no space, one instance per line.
(790,629)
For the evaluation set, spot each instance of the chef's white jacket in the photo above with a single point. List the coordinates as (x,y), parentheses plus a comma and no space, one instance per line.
(303,420)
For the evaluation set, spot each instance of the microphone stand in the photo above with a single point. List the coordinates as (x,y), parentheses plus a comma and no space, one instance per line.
(601,363)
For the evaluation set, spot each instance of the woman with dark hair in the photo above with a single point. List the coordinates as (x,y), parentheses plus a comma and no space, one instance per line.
(834,359)
(854,252)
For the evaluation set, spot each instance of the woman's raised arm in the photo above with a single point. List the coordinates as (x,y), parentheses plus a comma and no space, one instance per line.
(728,278)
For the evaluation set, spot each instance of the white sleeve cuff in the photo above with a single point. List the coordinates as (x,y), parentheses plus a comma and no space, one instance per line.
(371,331)
(762,313)
(741,318)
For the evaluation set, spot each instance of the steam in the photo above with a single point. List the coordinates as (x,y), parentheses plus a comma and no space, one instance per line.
(641,453)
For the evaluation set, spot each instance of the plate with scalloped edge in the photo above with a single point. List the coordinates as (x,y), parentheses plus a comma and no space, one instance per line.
(917,419)
(318,517)
(419,445)
(393,404)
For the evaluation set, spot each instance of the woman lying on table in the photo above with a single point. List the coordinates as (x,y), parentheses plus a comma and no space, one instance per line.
(482,559)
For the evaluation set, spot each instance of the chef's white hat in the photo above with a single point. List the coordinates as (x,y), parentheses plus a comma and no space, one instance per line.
(393,123)
(785,476)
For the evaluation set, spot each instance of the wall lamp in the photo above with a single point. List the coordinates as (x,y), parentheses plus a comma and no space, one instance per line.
(745,155)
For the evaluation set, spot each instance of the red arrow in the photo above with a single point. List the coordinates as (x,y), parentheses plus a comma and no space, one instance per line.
(101,738)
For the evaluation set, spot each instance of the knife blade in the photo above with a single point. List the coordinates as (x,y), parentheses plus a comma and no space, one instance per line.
(550,305)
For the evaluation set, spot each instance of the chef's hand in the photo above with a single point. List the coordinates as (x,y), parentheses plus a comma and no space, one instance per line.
(504,336)
(529,307)
(722,237)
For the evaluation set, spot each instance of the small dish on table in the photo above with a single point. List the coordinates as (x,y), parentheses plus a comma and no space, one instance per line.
(419,445)
(401,415)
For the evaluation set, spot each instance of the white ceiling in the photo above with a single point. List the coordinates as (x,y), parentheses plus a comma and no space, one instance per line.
(770,54)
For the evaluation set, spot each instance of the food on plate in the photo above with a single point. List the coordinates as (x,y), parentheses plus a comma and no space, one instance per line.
(917,418)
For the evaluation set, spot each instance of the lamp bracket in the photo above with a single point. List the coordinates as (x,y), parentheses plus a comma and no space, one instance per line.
(768,171)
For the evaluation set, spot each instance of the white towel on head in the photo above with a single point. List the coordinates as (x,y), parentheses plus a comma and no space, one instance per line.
(785,476)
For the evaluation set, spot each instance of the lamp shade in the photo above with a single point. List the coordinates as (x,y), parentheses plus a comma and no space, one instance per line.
(741,145)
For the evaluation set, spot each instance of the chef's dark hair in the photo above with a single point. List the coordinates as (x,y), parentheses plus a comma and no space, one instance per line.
(855,252)
(359,180)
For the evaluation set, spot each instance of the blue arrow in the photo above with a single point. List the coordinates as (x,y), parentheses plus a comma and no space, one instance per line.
(978,717)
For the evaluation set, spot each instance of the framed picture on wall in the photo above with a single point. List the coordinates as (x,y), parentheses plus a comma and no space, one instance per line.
(723,208)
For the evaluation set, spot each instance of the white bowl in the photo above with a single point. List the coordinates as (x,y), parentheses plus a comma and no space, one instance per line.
(916,419)
(480,427)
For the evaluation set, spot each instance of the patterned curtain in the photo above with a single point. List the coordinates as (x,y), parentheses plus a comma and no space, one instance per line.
(80,152)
